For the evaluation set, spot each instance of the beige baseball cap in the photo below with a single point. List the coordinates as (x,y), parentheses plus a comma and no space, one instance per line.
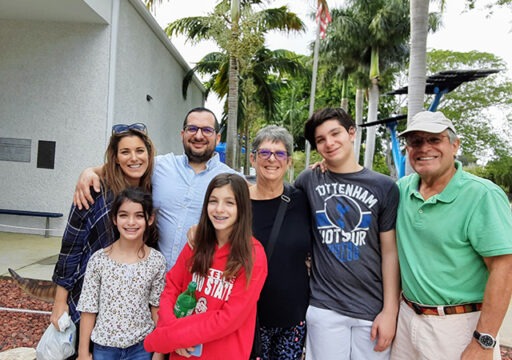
(428,121)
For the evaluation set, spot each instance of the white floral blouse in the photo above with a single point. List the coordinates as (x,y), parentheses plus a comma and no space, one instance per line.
(121,295)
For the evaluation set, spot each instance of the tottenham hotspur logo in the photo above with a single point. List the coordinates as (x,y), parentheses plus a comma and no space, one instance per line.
(343,226)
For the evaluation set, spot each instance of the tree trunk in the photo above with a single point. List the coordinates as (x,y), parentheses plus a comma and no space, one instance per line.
(418,61)
(291,170)
(418,57)
(373,108)
(313,89)
(344,96)
(359,121)
(247,160)
(344,104)
(389,162)
(232,133)
(373,104)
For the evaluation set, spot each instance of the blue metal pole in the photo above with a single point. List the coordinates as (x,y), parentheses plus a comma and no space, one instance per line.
(437,98)
(398,158)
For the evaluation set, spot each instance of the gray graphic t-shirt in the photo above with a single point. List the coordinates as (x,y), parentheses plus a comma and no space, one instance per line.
(349,212)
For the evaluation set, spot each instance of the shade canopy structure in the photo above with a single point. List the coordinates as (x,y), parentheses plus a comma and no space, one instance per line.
(438,84)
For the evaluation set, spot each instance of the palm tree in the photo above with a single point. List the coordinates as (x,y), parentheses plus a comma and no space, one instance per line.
(239,32)
(260,83)
(265,70)
(292,108)
(345,55)
(365,36)
(232,129)
(388,25)
(418,57)
(421,23)
(341,51)
(344,51)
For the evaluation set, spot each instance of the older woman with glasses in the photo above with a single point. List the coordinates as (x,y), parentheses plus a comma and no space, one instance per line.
(129,160)
(287,240)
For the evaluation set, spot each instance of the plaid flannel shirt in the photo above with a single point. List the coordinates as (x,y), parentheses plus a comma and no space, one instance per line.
(86,232)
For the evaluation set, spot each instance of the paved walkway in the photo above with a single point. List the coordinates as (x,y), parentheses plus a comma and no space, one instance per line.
(34,256)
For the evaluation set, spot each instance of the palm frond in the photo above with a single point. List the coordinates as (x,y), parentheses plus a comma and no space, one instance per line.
(195,28)
(209,64)
(280,19)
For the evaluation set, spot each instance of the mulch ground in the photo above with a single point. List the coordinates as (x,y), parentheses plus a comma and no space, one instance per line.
(21,329)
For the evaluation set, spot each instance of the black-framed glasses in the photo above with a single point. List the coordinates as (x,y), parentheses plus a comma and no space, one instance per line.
(193,129)
(418,141)
(122,128)
(265,154)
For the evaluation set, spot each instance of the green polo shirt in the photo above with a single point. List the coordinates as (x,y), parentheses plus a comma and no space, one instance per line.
(442,241)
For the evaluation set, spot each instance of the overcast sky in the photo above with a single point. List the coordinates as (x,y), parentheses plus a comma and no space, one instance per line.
(462,30)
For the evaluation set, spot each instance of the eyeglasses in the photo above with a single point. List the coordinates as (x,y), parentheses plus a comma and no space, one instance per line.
(122,128)
(418,141)
(193,129)
(265,154)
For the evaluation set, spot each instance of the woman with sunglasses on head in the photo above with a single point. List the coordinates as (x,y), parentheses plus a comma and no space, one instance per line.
(129,160)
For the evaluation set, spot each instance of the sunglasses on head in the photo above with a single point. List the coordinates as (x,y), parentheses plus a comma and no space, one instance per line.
(122,128)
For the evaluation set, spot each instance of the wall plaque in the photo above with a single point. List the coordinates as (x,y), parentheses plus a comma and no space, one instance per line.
(12,149)
(46,154)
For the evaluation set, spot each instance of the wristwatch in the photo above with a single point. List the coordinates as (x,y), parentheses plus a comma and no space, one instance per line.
(487,341)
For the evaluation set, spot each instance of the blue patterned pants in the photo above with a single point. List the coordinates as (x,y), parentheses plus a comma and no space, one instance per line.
(283,343)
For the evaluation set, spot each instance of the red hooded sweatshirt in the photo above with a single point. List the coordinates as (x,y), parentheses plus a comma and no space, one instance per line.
(225,314)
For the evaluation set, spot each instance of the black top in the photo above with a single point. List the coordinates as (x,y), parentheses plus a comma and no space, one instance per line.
(285,296)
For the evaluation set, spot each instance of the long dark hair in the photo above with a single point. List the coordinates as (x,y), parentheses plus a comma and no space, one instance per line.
(140,196)
(240,237)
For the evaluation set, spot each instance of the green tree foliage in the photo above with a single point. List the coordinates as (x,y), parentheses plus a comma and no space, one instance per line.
(470,4)
(238,27)
(267,70)
(368,36)
(473,106)
(498,171)
(262,84)
(293,103)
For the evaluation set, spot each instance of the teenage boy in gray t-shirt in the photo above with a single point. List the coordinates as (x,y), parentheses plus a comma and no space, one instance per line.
(355,274)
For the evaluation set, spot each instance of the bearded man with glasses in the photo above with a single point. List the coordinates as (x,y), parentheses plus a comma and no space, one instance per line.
(455,250)
(179,181)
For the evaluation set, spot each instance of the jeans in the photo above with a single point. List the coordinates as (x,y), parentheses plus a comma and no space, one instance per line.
(134,352)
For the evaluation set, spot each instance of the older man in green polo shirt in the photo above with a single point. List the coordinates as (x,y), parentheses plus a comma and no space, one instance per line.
(454,234)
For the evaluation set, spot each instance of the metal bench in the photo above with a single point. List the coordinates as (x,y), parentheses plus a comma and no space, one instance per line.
(45,214)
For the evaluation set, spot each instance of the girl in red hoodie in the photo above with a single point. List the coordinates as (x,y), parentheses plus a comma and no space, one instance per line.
(229,267)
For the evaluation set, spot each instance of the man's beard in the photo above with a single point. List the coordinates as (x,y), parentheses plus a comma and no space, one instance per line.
(198,158)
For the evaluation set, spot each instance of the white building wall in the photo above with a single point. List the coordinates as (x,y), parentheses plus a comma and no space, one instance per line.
(54,86)
(145,66)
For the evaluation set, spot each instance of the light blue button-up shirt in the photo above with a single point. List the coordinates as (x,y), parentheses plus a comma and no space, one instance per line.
(178,195)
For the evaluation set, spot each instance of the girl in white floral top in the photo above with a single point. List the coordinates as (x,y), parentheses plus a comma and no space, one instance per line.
(122,286)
